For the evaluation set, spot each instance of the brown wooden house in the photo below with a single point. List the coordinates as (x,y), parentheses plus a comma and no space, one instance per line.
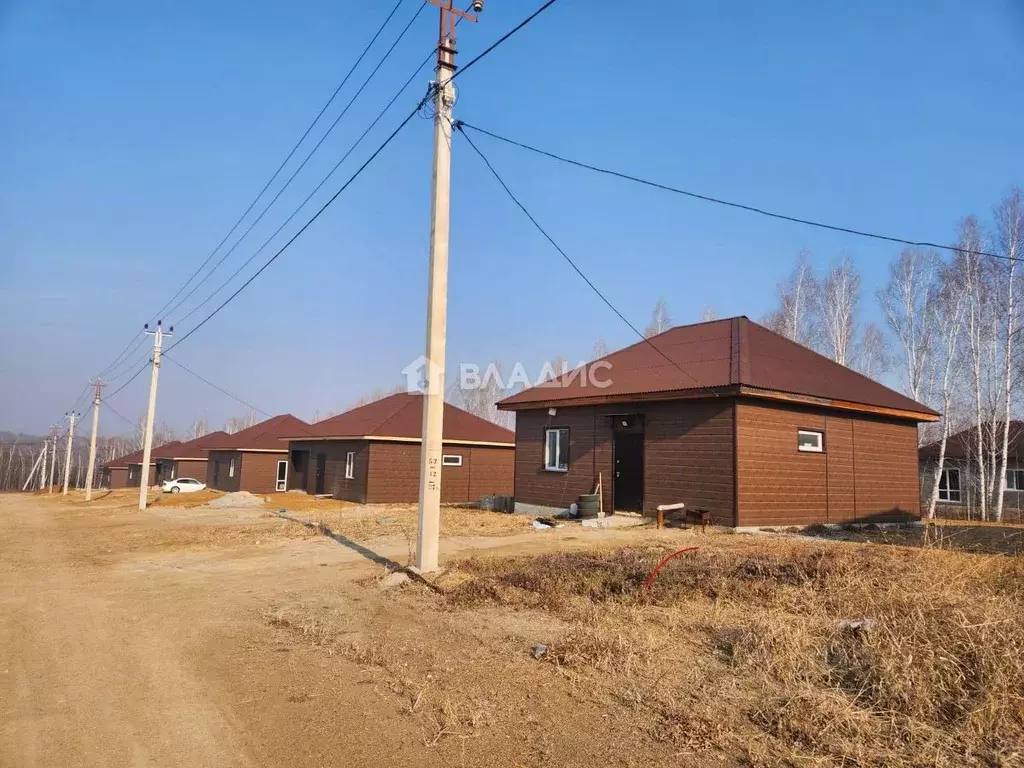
(960,488)
(126,471)
(184,459)
(371,454)
(724,416)
(254,459)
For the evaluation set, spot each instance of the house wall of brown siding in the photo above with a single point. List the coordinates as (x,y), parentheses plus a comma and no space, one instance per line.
(867,472)
(335,482)
(259,471)
(134,472)
(218,470)
(117,477)
(688,455)
(395,471)
(194,468)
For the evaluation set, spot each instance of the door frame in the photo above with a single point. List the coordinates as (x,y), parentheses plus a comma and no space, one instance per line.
(277,475)
(636,426)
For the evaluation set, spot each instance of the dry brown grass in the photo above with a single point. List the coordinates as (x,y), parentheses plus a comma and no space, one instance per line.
(742,646)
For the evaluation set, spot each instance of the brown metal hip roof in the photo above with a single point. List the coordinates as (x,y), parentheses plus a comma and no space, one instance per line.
(723,356)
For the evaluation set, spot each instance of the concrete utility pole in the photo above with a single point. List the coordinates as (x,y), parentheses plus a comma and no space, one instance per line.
(28,480)
(99,385)
(67,458)
(42,469)
(147,444)
(437,291)
(53,456)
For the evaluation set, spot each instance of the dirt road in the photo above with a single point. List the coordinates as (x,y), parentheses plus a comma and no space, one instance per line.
(191,638)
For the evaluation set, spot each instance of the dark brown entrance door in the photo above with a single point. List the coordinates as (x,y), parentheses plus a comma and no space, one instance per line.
(321,472)
(629,471)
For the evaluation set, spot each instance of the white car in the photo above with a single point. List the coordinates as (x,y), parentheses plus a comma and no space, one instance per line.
(182,485)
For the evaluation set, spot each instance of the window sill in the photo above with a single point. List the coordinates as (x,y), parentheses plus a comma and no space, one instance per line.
(555,469)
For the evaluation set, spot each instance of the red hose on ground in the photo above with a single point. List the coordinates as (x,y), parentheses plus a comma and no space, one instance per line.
(650,578)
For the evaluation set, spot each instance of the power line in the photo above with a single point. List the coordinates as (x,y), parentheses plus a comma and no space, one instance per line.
(573,264)
(316,189)
(718,201)
(124,353)
(302,229)
(133,378)
(123,418)
(502,39)
(223,391)
(302,165)
(355,175)
(288,157)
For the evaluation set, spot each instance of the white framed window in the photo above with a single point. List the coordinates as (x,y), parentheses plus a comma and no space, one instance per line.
(350,465)
(231,468)
(810,440)
(949,486)
(451,460)
(131,473)
(1015,479)
(282,475)
(556,449)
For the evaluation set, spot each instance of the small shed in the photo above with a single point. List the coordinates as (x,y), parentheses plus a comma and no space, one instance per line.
(371,454)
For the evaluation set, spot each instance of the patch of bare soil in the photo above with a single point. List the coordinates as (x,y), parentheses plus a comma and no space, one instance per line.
(366,522)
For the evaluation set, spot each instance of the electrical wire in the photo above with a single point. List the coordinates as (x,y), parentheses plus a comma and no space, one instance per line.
(123,418)
(215,386)
(361,168)
(302,165)
(288,157)
(500,40)
(133,378)
(740,206)
(124,353)
(576,268)
(316,189)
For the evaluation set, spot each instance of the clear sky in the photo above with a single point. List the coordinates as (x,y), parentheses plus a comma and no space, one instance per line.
(134,134)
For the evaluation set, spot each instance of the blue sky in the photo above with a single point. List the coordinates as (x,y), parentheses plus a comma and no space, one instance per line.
(134,134)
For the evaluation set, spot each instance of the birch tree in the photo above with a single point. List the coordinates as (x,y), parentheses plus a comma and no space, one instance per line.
(1009,236)
(837,309)
(904,301)
(945,311)
(660,320)
(973,274)
(798,297)
(871,355)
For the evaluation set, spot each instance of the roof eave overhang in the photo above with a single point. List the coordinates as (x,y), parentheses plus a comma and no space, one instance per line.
(730,391)
(392,439)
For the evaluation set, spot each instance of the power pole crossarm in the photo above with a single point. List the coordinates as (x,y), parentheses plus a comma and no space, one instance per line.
(92,441)
(147,442)
(429,517)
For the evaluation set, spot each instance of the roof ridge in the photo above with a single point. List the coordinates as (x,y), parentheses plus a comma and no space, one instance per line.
(408,401)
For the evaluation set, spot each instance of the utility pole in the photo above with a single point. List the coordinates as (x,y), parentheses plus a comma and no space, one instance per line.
(437,291)
(42,469)
(67,458)
(99,385)
(147,444)
(53,456)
